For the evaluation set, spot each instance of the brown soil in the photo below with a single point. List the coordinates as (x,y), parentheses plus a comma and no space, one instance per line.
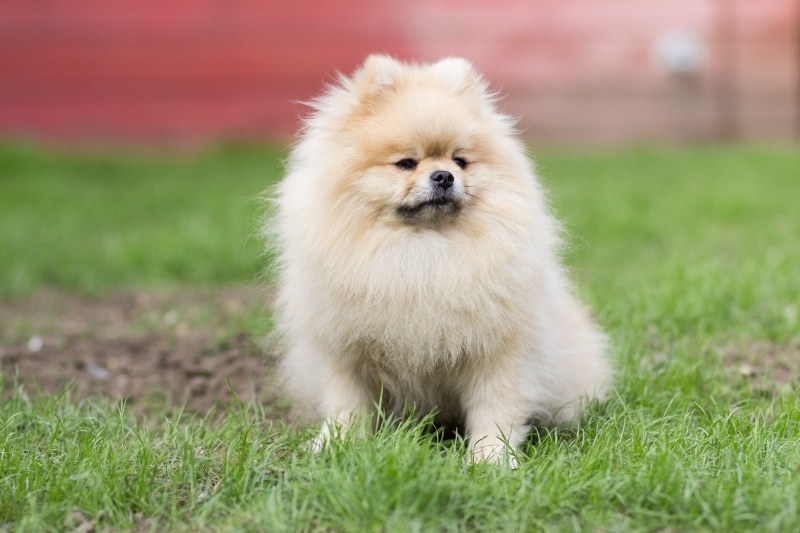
(156,350)
(767,365)
(164,350)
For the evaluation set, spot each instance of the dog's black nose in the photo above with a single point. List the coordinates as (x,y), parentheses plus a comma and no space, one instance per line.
(443,179)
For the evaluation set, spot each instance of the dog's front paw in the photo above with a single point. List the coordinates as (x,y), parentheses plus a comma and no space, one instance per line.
(337,429)
(318,443)
(330,429)
(492,451)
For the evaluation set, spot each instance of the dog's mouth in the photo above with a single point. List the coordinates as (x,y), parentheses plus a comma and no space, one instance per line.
(444,205)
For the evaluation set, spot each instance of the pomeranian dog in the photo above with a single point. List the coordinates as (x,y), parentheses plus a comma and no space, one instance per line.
(419,264)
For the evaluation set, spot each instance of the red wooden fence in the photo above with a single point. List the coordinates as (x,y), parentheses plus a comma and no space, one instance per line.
(573,70)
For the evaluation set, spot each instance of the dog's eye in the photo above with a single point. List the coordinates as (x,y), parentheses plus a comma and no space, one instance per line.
(460,161)
(406,164)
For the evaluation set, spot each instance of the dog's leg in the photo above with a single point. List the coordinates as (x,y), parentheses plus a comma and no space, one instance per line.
(496,417)
(344,400)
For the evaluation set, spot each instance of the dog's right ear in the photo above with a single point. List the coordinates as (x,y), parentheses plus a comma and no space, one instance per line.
(378,72)
(460,74)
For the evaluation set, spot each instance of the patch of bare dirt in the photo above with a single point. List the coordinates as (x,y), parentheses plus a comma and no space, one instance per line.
(767,365)
(156,350)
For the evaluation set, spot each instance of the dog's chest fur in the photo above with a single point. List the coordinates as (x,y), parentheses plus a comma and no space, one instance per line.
(418,308)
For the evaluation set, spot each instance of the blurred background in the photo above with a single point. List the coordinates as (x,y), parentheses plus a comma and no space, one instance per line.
(582,72)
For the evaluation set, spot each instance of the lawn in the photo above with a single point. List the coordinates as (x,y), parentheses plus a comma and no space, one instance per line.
(689,258)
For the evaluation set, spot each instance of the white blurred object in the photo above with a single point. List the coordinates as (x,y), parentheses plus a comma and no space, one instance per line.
(680,51)
(97,371)
(35,344)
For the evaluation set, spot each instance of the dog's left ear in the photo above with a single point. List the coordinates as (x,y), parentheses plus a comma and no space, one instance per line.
(460,73)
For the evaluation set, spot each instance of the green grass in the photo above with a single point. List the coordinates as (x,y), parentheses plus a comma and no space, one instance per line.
(684,255)
(94,222)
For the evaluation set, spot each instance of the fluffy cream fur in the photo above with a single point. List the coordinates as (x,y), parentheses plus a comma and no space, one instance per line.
(459,307)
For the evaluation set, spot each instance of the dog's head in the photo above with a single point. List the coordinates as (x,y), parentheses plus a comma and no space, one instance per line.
(411,144)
